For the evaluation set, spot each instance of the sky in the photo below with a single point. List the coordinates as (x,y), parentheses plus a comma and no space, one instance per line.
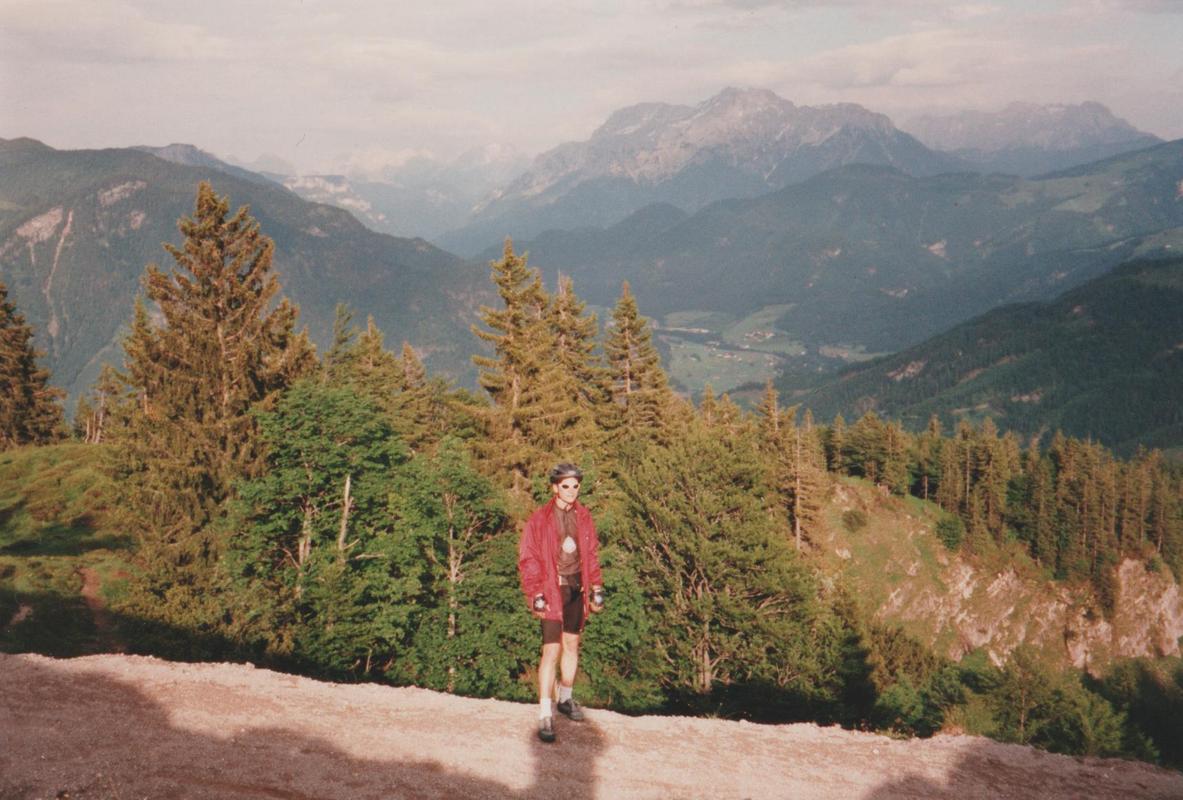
(353,85)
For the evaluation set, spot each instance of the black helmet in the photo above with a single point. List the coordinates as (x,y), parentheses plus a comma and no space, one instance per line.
(565,470)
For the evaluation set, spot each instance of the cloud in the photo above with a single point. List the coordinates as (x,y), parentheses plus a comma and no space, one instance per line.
(1141,6)
(344,76)
(928,58)
(112,33)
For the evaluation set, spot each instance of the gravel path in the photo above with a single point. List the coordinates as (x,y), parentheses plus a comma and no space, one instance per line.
(116,726)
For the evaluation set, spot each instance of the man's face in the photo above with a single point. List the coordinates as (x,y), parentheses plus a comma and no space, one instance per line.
(566,490)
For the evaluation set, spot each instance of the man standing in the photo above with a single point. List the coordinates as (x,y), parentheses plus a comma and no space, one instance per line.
(558,562)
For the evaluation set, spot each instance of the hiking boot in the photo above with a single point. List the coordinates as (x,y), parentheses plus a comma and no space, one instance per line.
(546,729)
(572,710)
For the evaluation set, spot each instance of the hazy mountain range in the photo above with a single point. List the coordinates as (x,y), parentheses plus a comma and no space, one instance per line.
(867,257)
(422,196)
(739,143)
(856,260)
(1027,139)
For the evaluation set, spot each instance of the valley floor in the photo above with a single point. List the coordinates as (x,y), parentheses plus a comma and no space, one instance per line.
(115,726)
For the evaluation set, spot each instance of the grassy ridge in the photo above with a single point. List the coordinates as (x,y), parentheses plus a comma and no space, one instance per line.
(54,528)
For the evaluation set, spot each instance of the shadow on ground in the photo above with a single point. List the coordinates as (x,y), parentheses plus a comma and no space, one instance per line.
(142,753)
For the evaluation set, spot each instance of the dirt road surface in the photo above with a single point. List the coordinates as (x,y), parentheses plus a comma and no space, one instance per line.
(117,726)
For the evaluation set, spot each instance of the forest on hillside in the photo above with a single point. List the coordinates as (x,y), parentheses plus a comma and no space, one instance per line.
(348,515)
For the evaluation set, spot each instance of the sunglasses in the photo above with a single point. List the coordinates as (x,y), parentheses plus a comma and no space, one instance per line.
(569,486)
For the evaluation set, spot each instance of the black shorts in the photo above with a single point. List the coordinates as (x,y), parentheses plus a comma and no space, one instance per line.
(572,597)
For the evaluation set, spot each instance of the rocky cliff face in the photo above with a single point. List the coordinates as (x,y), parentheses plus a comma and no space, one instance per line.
(999,611)
(751,130)
(958,603)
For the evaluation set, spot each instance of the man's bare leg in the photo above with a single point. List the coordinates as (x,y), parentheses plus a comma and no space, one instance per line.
(568,666)
(546,670)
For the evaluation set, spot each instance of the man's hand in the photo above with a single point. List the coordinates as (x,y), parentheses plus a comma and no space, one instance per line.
(539,606)
(597,599)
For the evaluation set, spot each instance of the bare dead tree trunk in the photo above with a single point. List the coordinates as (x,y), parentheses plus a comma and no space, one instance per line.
(797,488)
(304,548)
(346,505)
(454,577)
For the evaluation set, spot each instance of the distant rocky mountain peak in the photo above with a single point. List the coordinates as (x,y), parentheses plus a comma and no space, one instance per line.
(738,143)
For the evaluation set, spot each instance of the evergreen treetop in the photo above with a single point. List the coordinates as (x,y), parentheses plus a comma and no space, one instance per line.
(30,410)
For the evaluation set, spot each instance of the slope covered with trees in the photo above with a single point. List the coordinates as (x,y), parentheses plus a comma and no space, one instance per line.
(1102,361)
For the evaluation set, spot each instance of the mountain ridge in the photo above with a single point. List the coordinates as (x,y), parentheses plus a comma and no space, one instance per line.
(738,143)
(78,227)
(1103,360)
(1030,139)
(870,256)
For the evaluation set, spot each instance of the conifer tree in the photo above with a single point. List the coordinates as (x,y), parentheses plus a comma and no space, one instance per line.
(992,469)
(575,332)
(223,348)
(520,336)
(835,443)
(417,408)
(708,405)
(768,417)
(30,410)
(1135,500)
(568,394)
(928,448)
(336,361)
(796,463)
(104,407)
(896,446)
(422,410)
(639,386)
(867,447)
(807,475)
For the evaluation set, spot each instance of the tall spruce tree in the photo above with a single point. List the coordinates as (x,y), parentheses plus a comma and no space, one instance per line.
(520,335)
(223,347)
(30,410)
(808,483)
(580,379)
(640,389)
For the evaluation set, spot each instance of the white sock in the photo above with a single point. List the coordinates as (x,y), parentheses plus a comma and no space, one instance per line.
(544,708)
(564,693)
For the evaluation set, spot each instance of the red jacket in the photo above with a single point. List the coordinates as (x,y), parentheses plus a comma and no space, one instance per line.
(538,562)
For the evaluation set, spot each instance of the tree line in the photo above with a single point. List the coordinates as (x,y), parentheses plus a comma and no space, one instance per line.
(351,516)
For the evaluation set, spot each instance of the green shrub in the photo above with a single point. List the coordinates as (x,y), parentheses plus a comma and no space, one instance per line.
(854,520)
(951,532)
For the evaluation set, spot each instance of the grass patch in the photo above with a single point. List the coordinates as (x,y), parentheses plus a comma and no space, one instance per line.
(759,331)
(713,321)
(693,365)
(54,522)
